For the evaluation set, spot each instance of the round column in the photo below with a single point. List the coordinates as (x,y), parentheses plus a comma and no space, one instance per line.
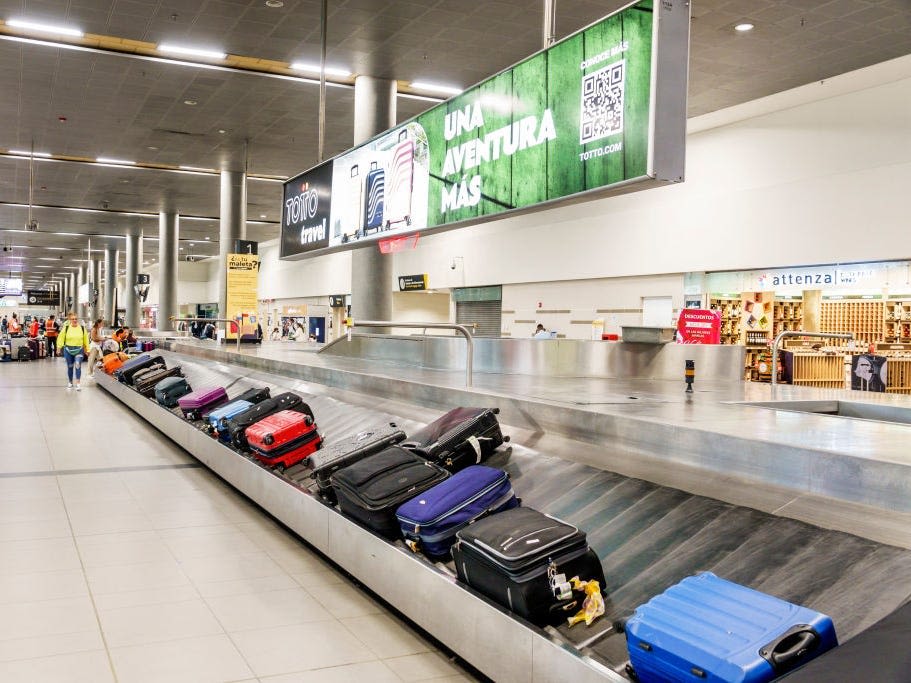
(168,229)
(110,284)
(232,225)
(131,301)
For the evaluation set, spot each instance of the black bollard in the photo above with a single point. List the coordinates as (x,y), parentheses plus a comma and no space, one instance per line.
(690,375)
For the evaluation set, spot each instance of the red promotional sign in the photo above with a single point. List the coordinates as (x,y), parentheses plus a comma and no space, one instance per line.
(698,326)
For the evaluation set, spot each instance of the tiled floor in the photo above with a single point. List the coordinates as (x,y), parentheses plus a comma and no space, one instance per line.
(122,560)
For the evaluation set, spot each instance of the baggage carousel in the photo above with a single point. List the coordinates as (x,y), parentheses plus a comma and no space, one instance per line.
(648,537)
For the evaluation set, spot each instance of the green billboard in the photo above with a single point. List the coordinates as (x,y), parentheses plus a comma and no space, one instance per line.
(578,118)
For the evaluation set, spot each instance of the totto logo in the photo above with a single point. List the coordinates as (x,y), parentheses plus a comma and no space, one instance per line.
(303,206)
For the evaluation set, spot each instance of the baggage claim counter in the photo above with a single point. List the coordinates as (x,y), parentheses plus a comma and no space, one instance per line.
(811,508)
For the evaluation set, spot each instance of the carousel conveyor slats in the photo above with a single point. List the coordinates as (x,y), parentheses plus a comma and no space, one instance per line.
(649,536)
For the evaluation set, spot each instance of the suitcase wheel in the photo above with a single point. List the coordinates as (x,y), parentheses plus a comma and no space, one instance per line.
(268,439)
(308,420)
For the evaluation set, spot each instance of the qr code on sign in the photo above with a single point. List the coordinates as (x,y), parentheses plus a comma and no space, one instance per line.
(602,102)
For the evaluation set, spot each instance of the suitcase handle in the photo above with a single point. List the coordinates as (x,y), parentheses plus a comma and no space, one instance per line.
(790,648)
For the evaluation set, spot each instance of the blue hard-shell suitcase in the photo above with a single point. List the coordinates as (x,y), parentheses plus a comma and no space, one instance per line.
(430,521)
(374,198)
(217,416)
(711,630)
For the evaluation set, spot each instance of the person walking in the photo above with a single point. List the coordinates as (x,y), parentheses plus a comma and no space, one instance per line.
(74,344)
(96,339)
(50,334)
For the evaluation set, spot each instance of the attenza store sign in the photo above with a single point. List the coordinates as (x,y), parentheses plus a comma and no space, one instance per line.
(580,117)
(827,277)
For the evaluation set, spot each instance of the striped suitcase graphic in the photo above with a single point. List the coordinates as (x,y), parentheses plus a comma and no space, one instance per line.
(375,198)
(350,223)
(401,180)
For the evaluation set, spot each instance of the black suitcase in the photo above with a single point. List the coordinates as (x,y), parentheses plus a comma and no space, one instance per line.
(238,424)
(125,374)
(370,491)
(24,353)
(507,557)
(461,437)
(254,395)
(139,376)
(355,448)
(880,653)
(146,385)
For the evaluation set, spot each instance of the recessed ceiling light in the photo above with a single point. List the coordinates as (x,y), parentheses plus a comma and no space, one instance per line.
(262,215)
(314,68)
(152,147)
(181,248)
(744,27)
(222,131)
(45,28)
(191,51)
(436,87)
(191,103)
(208,238)
(275,4)
(108,160)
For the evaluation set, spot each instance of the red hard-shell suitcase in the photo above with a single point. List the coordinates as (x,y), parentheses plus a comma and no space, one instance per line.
(401,179)
(284,439)
(195,404)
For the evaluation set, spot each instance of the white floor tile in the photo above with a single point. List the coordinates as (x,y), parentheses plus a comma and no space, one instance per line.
(35,586)
(105,550)
(250,566)
(231,543)
(422,667)
(366,672)
(28,488)
(58,527)
(386,636)
(191,660)
(41,555)
(136,577)
(48,645)
(302,647)
(81,667)
(266,609)
(241,586)
(90,524)
(31,510)
(345,599)
(157,623)
(47,617)
(154,596)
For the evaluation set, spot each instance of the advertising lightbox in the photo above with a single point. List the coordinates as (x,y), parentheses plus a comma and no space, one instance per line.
(10,286)
(602,111)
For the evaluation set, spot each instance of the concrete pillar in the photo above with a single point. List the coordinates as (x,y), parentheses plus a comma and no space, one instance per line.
(95,286)
(371,271)
(168,229)
(131,301)
(110,284)
(77,295)
(812,310)
(232,226)
(71,293)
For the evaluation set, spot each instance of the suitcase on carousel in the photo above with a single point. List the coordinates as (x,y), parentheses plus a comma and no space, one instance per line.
(237,425)
(461,437)
(146,385)
(126,371)
(148,345)
(430,522)
(201,401)
(374,198)
(145,372)
(217,419)
(334,456)
(113,361)
(370,491)
(708,629)
(254,395)
(284,439)
(169,390)
(510,556)
(397,207)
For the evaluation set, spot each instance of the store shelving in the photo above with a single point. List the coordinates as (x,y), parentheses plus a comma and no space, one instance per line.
(729,309)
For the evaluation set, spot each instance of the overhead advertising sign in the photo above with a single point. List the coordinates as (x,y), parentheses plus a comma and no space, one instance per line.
(413,283)
(240,299)
(10,286)
(580,117)
(41,297)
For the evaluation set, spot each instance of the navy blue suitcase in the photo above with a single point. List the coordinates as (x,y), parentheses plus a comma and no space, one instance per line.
(375,198)
(430,521)
(708,629)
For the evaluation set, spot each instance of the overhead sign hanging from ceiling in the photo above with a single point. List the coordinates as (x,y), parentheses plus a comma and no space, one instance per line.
(601,112)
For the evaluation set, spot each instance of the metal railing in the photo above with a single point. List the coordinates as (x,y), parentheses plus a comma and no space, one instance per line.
(211,320)
(461,329)
(794,333)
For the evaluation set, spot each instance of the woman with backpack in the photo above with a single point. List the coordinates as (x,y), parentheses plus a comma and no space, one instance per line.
(73,343)
(96,339)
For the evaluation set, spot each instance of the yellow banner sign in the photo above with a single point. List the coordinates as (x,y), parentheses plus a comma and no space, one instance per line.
(242,285)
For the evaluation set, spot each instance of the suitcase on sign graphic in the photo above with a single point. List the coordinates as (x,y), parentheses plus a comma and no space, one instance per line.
(374,198)
(146,386)
(217,419)
(401,179)
(237,425)
(430,521)
(370,491)
(284,439)
(167,391)
(113,361)
(508,557)
(461,437)
(708,629)
(334,456)
(200,401)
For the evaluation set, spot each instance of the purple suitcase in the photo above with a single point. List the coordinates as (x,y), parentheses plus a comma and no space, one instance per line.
(201,401)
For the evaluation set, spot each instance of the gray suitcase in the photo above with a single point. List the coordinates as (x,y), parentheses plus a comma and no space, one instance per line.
(336,455)
(168,390)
